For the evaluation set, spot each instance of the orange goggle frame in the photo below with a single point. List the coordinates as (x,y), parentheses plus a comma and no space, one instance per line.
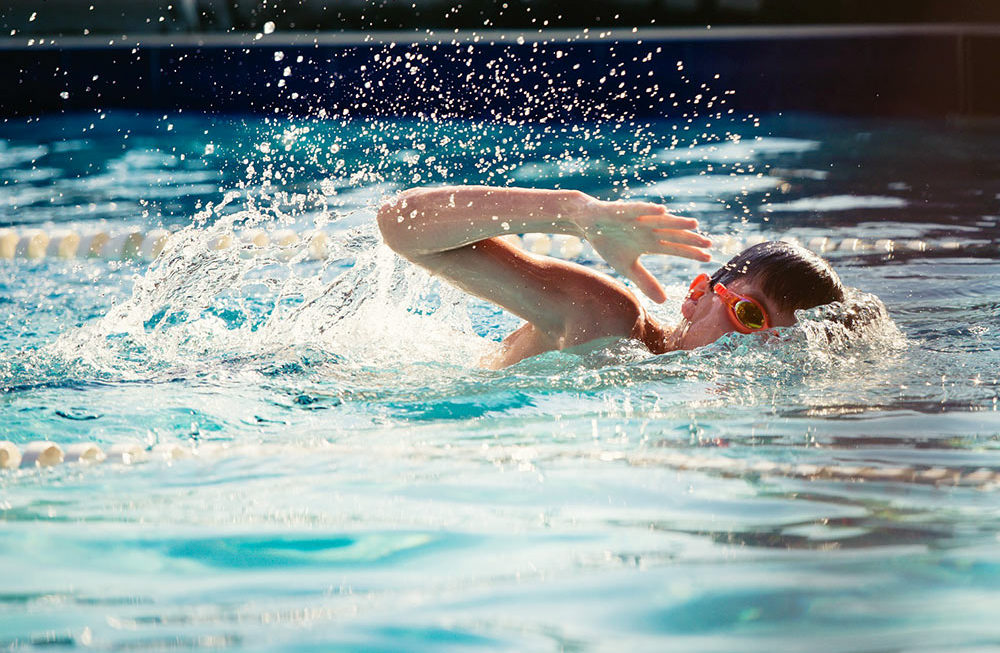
(746,312)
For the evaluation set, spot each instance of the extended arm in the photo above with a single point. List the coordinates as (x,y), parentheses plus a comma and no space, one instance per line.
(425,221)
(451,231)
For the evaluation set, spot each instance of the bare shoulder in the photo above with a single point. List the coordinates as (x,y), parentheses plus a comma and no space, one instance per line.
(605,307)
(601,307)
(594,306)
(529,340)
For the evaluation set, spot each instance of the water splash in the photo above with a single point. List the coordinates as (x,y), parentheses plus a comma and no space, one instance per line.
(201,311)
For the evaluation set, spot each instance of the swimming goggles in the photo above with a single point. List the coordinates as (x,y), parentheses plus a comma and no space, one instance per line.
(746,312)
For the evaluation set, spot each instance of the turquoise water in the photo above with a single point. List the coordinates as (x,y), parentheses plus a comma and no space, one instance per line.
(359,484)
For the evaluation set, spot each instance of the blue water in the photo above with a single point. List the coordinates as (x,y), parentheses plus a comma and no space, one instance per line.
(359,484)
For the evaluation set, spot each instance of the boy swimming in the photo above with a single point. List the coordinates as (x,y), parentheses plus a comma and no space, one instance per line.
(454,232)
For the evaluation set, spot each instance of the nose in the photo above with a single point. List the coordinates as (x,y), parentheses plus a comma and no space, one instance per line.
(687,308)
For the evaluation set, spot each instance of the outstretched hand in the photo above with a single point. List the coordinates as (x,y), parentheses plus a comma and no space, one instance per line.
(621,232)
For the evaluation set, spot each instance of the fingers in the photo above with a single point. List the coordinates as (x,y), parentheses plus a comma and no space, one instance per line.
(647,282)
(682,237)
(667,221)
(626,207)
(684,251)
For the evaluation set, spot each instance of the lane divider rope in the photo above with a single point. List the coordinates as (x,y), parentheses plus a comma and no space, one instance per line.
(49,454)
(136,244)
(42,453)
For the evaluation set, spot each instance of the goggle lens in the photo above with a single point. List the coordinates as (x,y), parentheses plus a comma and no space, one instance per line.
(749,314)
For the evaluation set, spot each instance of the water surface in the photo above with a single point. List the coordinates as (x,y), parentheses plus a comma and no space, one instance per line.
(359,483)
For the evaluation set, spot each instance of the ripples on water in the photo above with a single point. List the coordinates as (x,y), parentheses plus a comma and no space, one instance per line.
(361,484)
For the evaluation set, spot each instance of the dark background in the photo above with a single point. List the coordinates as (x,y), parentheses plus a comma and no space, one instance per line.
(943,62)
(74,17)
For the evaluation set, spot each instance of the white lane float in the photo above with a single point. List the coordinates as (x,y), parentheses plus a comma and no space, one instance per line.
(257,238)
(83,452)
(819,244)
(567,247)
(318,244)
(10,455)
(123,245)
(537,243)
(63,244)
(41,453)
(32,244)
(852,245)
(126,453)
(170,451)
(8,243)
(92,244)
(153,244)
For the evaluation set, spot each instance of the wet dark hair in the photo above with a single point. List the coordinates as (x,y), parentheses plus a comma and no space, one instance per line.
(792,277)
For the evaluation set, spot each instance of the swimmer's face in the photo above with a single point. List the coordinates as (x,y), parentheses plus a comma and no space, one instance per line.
(707,317)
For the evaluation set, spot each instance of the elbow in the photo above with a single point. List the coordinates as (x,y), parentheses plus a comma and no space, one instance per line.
(391,220)
(386,219)
(401,220)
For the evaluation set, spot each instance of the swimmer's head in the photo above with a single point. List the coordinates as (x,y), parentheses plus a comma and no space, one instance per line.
(759,288)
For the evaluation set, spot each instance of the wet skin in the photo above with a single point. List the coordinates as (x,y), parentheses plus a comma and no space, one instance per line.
(458,233)
(708,318)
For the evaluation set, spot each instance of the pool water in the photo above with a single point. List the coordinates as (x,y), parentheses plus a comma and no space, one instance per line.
(358,483)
